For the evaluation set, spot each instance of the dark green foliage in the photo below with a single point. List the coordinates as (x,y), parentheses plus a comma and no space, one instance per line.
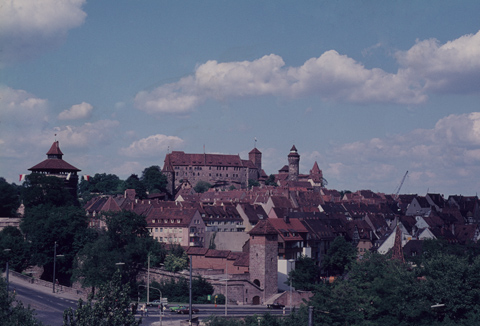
(176,263)
(110,307)
(12,311)
(305,275)
(9,199)
(43,226)
(253,183)
(133,182)
(339,257)
(271,181)
(126,240)
(18,254)
(201,288)
(202,186)
(39,189)
(153,179)
(178,291)
(100,183)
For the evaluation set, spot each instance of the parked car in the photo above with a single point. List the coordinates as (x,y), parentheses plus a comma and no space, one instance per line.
(156,303)
(275,306)
(175,308)
(186,311)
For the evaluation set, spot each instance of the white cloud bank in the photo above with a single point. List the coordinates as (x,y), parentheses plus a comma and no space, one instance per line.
(445,157)
(152,145)
(427,66)
(28,27)
(78,111)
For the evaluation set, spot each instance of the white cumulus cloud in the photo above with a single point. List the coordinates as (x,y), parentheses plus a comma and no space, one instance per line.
(28,27)
(425,67)
(78,111)
(453,67)
(152,145)
(87,135)
(451,148)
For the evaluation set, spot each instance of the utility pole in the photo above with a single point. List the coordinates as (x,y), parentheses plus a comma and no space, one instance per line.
(148,279)
(190,295)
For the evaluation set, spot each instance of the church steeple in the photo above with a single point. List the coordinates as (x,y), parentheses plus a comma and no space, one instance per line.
(54,151)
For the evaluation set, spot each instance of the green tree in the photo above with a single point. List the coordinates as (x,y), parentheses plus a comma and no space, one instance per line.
(201,288)
(126,240)
(253,183)
(153,179)
(12,311)
(305,275)
(133,182)
(339,257)
(17,253)
(100,183)
(271,181)
(111,306)
(43,226)
(202,186)
(175,263)
(39,189)
(9,199)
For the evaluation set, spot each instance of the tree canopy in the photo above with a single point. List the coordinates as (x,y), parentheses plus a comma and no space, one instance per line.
(39,189)
(153,179)
(202,186)
(339,256)
(111,306)
(126,240)
(305,275)
(43,226)
(9,199)
(13,312)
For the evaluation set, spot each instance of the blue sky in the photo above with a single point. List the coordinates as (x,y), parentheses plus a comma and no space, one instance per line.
(368,89)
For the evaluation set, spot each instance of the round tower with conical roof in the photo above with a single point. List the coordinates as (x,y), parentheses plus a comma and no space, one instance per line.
(293,164)
(55,166)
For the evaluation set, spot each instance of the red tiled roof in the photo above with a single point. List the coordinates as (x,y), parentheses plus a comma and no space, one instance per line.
(55,149)
(52,164)
(181,158)
(263,227)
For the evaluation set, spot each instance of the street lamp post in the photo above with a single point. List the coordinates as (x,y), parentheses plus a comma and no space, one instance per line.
(291,261)
(226,286)
(190,295)
(7,270)
(54,264)
(161,301)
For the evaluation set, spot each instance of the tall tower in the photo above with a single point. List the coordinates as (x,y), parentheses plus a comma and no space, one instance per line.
(54,165)
(263,259)
(256,157)
(169,173)
(293,164)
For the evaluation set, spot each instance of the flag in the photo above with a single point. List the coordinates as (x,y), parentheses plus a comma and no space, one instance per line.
(22,177)
(68,176)
(86,177)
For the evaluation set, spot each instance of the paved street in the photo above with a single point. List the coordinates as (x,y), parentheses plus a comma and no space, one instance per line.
(49,307)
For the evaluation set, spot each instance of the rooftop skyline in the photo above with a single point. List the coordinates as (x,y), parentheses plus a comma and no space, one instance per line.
(368,89)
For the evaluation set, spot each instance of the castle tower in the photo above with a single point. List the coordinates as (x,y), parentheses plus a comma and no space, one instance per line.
(293,164)
(256,157)
(54,165)
(263,259)
(169,173)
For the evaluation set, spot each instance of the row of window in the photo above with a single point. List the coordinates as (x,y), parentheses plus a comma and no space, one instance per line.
(234,175)
(178,221)
(218,168)
(169,239)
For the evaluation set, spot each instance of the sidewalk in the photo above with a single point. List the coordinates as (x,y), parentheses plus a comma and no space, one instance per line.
(45,287)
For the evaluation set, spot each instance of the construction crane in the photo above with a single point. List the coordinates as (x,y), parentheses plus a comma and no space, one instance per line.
(400,186)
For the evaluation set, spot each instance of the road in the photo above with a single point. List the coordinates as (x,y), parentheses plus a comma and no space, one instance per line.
(49,307)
